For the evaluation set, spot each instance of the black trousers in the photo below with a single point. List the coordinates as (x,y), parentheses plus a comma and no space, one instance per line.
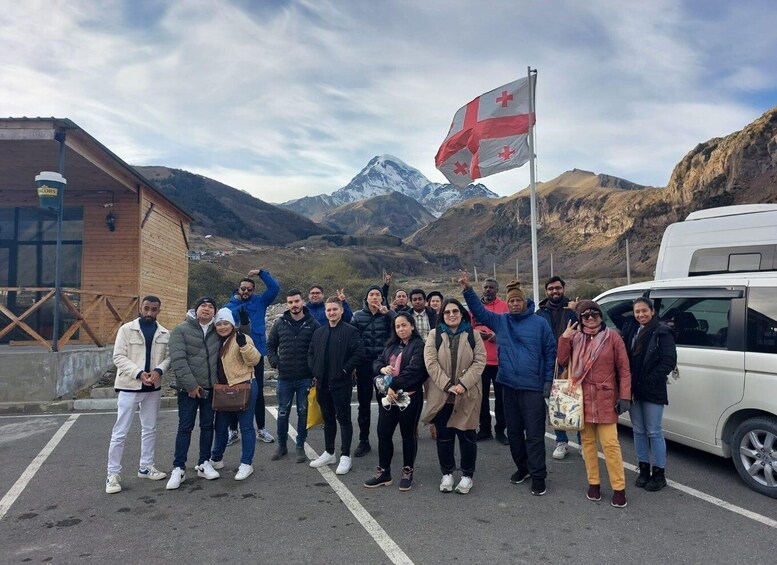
(446,443)
(487,377)
(525,413)
(407,419)
(365,387)
(336,409)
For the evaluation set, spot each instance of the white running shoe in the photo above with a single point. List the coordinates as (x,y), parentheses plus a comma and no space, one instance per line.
(151,473)
(265,436)
(464,486)
(177,476)
(344,466)
(562,448)
(113,484)
(217,464)
(206,471)
(243,472)
(446,485)
(325,458)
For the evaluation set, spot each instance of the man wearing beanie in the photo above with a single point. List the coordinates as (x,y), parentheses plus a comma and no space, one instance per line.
(194,353)
(527,354)
(374,325)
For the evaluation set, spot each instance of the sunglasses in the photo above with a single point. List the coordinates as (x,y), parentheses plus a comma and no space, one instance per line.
(246,289)
(591,314)
(452,312)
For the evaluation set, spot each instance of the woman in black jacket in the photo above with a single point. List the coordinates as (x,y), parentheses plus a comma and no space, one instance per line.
(652,356)
(403,360)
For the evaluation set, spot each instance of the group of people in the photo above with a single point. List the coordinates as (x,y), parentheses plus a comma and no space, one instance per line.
(404,350)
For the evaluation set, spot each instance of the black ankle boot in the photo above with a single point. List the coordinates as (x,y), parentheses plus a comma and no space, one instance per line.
(644,475)
(657,480)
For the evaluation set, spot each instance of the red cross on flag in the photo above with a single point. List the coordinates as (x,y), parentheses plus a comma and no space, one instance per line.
(489,135)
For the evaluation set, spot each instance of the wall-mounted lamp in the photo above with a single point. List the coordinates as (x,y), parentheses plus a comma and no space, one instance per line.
(110,221)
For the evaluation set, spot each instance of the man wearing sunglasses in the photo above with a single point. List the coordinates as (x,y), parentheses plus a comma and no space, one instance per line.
(527,356)
(558,311)
(248,307)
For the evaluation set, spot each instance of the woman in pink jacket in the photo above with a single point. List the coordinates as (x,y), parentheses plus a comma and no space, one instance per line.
(599,360)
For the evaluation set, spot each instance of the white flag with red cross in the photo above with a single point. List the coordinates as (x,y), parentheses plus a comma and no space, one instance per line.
(489,135)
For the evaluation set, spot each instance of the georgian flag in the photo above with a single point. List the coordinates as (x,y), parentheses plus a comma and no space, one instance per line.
(489,135)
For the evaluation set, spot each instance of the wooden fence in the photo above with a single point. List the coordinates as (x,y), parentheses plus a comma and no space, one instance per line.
(93,317)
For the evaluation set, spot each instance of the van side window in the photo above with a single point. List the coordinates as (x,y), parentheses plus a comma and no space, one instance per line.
(762,320)
(618,313)
(697,321)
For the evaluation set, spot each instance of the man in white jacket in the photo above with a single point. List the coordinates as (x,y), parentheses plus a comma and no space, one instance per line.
(141,357)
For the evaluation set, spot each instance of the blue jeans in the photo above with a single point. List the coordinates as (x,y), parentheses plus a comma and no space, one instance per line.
(247,436)
(187,414)
(648,434)
(562,437)
(286,391)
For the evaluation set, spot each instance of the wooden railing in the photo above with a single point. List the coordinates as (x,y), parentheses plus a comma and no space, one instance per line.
(96,314)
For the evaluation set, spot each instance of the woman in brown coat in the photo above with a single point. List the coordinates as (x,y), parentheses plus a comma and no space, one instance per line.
(455,357)
(599,361)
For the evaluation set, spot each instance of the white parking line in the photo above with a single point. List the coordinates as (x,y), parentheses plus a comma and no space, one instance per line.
(19,486)
(388,545)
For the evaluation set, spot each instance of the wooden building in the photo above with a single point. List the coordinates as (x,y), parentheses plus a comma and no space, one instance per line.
(122,239)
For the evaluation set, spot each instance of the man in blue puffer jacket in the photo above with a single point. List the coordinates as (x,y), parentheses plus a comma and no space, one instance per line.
(248,307)
(527,355)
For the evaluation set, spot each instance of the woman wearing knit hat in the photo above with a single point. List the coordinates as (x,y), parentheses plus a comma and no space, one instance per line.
(237,358)
(598,360)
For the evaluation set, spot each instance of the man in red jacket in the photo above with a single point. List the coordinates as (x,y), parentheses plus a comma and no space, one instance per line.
(495,304)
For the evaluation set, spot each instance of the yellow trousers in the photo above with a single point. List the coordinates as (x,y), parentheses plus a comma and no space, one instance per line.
(608,439)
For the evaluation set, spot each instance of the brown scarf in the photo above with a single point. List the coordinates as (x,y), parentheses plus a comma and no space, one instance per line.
(589,350)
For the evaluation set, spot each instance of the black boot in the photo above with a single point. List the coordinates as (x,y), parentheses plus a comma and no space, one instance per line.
(644,475)
(657,480)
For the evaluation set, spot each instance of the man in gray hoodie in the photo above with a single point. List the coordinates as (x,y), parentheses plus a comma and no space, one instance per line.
(194,353)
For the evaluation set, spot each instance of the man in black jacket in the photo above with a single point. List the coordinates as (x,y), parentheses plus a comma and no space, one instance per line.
(287,348)
(374,324)
(335,351)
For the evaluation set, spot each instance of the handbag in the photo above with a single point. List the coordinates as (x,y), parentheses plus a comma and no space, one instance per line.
(234,398)
(565,405)
(315,417)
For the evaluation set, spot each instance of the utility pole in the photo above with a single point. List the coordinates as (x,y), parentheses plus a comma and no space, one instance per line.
(628,263)
(551,264)
(476,273)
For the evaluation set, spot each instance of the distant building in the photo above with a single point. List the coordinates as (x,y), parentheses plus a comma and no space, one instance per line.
(104,271)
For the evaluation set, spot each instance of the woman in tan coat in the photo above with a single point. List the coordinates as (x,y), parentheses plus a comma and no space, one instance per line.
(599,361)
(237,359)
(455,357)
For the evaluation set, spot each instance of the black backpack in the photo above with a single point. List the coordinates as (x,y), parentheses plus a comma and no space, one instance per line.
(470,338)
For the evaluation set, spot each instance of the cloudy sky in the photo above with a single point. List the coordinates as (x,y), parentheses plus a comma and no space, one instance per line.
(292,98)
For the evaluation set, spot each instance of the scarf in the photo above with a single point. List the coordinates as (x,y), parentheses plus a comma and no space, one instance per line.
(640,344)
(592,343)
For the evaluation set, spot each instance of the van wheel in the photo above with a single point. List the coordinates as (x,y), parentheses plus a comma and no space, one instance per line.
(754,451)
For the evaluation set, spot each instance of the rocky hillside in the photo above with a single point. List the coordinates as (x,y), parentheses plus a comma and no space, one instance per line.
(585,218)
(221,210)
(385,174)
(392,213)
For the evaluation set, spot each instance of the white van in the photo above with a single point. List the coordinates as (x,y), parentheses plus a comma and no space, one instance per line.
(725,399)
(730,239)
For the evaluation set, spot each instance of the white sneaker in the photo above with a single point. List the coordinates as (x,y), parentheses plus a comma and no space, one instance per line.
(325,458)
(265,436)
(344,466)
(562,448)
(112,484)
(243,472)
(151,473)
(177,476)
(464,486)
(206,471)
(446,485)
(217,464)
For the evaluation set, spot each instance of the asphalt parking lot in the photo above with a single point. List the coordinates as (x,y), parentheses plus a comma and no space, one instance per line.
(53,507)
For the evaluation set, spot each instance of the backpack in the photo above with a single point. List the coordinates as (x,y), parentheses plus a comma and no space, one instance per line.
(470,338)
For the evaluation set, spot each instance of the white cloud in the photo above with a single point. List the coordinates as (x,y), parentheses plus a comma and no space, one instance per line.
(290,99)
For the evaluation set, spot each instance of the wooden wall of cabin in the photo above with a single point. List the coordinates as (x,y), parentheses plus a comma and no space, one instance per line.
(164,263)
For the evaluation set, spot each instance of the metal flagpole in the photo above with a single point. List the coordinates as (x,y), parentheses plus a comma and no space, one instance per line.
(534,261)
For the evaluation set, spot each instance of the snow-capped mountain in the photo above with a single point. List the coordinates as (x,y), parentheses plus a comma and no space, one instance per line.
(385,174)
